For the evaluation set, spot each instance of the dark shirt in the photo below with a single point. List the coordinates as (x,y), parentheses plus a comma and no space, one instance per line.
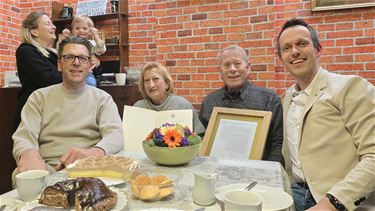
(35,71)
(254,98)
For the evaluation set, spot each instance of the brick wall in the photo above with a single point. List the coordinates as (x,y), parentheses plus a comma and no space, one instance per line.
(9,38)
(186,36)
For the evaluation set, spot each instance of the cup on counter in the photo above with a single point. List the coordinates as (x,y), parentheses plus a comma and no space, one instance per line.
(120,79)
(243,200)
(30,183)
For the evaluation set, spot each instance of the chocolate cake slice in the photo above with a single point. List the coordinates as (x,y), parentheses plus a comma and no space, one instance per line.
(81,193)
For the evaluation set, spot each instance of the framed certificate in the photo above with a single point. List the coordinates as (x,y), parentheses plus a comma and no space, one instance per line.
(236,133)
(320,5)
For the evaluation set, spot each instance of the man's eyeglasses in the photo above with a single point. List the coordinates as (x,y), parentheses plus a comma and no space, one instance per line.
(72,58)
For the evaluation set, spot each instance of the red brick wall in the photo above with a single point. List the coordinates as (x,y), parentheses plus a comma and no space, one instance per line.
(9,38)
(186,36)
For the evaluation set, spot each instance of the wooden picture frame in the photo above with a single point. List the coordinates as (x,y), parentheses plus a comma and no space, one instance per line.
(243,126)
(321,5)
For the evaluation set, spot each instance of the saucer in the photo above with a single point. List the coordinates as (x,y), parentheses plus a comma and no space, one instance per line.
(273,198)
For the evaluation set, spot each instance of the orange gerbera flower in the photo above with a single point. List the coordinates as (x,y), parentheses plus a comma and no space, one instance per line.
(172,138)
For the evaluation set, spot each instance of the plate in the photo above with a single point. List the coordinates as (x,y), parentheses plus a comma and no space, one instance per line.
(10,204)
(121,202)
(273,198)
(62,176)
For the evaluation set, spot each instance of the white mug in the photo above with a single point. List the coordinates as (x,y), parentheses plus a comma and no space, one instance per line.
(120,79)
(243,200)
(30,183)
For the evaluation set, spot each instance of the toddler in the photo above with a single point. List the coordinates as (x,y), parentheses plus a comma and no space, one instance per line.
(83,26)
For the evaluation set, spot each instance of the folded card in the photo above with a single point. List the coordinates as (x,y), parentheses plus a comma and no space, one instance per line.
(138,122)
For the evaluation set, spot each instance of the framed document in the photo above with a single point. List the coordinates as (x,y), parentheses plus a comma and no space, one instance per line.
(320,5)
(236,133)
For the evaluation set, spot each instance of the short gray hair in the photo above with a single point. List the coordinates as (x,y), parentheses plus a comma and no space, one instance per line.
(234,48)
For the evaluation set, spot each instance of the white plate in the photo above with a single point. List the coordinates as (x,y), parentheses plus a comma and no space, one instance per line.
(273,198)
(62,176)
(121,202)
(11,204)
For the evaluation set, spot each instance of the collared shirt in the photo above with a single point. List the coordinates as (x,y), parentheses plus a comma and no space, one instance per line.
(293,126)
(254,98)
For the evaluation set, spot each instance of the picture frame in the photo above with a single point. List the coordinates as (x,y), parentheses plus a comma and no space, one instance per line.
(321,5)
(236,130)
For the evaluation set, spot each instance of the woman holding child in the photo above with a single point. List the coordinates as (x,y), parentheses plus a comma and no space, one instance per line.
(156,86)
(36,59)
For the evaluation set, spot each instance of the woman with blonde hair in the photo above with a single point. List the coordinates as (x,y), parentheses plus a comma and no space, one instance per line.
(36,60)
(156,87)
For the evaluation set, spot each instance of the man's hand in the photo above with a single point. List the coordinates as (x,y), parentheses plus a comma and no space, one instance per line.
(323,204)
(75,154)
(31,160)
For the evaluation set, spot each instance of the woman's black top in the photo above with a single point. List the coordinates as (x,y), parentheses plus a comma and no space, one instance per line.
(35,71)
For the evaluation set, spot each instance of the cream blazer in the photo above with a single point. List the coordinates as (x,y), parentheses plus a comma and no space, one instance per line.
(336,138)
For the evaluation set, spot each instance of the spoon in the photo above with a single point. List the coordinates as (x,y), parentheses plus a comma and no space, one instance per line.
(250,186)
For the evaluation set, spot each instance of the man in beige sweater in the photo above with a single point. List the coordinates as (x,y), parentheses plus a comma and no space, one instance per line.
(68,121)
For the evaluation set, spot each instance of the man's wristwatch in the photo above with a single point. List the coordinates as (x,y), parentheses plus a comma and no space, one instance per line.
(335,202)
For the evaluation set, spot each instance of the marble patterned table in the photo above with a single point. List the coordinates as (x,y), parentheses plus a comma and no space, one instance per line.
(229,172)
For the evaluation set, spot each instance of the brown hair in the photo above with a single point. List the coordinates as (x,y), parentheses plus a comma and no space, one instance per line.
(74,40)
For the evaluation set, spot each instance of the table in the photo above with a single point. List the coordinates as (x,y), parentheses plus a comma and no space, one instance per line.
(229,171)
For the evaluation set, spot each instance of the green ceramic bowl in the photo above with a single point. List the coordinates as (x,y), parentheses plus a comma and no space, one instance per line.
(171,156)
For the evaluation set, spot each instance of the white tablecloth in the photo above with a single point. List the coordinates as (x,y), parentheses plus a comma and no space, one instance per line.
(229,172)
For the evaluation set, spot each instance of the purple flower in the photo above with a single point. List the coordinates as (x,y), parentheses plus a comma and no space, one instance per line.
(157,134)
(187,131)
(184,142)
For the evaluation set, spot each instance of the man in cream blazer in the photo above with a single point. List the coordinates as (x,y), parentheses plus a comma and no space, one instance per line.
(329,126)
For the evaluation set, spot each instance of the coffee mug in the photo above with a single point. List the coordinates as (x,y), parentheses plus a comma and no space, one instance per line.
(243,200)
(120,78)
(30,183)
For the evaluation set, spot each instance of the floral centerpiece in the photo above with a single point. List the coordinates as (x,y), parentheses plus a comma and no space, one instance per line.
(171,144)
(172,135)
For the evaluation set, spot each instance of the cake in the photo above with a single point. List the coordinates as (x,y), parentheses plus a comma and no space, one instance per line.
(80,193)
(116,167)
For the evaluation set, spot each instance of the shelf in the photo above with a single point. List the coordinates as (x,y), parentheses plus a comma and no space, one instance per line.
(94,18)
(116,51)
(109,58)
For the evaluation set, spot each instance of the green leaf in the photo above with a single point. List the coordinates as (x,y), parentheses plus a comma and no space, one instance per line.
(194,139)
(149,142)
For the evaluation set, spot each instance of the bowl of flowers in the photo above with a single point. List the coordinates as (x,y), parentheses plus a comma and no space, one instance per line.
(171,144)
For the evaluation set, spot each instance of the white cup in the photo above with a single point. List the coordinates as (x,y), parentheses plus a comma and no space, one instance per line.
(243,200)
(30,183)
(120,79)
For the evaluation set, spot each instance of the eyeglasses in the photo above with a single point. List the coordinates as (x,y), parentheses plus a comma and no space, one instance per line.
(71,58)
